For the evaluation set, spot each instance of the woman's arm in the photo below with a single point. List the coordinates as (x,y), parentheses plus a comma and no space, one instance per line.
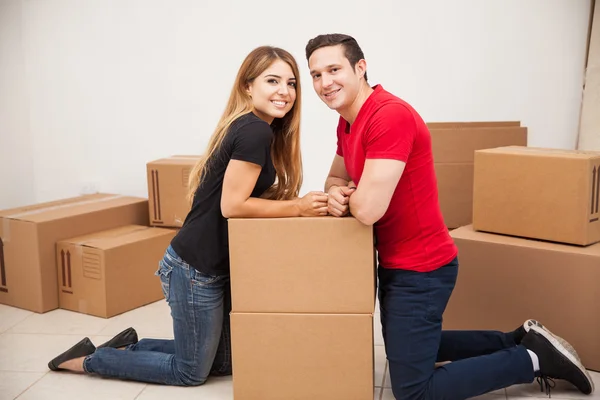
(238,184)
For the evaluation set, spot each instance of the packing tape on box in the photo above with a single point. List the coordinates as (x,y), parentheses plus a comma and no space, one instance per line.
(91,242)
(59,206)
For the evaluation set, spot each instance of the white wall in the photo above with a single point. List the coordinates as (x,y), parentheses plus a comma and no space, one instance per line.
(589,128)
(102,87)
(16,155)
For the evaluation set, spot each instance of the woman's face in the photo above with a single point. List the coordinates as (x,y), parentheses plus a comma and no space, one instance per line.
(273,92)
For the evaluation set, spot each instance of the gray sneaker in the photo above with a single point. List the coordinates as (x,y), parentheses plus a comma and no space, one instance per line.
(532,322)
(556,361)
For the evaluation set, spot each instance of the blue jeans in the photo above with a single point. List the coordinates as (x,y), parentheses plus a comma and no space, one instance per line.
(411,308)
(200,306)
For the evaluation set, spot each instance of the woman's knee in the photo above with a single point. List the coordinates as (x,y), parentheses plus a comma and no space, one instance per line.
(190,376)
(191,379)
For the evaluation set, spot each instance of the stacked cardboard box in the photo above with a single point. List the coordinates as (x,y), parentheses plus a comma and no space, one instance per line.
(46,264)
(28,235)
(109,272)
(532,251)
(303,296)
(454,145)
(167,189)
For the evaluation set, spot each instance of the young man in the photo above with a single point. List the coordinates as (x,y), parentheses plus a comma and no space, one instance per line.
(383,175)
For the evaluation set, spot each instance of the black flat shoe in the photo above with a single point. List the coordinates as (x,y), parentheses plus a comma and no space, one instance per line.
(125,338)
(84,348)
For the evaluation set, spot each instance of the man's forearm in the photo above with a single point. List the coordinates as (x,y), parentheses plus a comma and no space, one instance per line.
(334,181)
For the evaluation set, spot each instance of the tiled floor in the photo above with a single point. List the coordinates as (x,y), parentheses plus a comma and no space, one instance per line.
(28,341)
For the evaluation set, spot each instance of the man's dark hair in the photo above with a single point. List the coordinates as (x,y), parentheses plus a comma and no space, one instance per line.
(352,50)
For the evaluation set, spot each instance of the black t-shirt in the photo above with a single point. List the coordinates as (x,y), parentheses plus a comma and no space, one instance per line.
(202,241)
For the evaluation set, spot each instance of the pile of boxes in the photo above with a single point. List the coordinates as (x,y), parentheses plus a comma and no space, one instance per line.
(454,145)
(532,250)
(303,289)
(95,254)
(87,276)
(303,297)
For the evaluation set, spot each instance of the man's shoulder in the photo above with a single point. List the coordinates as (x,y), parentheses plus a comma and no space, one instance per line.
(391,101)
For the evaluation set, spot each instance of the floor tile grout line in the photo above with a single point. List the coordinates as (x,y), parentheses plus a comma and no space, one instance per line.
(17,323)
(385,368)
(30,386)
(141,391)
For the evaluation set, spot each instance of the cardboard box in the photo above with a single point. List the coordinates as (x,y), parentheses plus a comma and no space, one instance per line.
(28,237)
(167,190)
(107,273)
(302,356)
(544,194)
(454,145)
(505,280)
(302,265)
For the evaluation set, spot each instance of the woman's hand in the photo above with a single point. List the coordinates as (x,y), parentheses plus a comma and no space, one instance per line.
(313,204)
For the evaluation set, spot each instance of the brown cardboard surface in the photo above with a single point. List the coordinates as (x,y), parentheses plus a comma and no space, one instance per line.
(455,192)
(28,236)
(472,124)
(110,272)
(304,265)
(459,145)
(302,356)
(505,280)
(167,189)
(547,194)
(454,145)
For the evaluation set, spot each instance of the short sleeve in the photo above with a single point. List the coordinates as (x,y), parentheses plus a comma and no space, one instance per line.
(252,143)
(391,133)
(342,126)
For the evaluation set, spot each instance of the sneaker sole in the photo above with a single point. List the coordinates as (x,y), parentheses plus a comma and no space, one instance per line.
(565,352)
(562,341)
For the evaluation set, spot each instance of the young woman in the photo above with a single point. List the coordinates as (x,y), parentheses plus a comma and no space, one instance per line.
(252,168)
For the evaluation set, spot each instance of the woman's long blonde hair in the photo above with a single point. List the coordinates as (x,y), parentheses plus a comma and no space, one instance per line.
(285,151)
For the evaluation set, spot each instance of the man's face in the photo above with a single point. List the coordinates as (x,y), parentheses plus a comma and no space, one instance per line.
(334,79)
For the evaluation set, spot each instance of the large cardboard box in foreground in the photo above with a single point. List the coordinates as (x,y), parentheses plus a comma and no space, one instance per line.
(546,194)
(302,356)
(28,237)
(107,273)
(167,189)
(454,145)
(504,280)
(302,265)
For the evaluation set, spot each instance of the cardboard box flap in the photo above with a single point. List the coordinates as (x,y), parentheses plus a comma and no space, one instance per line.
(543,152)
(51,204)
(459,145)
(471,124)
(114,238)
(176,160)
(468,233)
(84,205)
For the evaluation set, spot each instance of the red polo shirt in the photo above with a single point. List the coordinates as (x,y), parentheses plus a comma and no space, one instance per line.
(411,234)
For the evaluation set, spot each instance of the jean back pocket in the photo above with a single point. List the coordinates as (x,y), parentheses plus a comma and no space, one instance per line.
(164,273)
